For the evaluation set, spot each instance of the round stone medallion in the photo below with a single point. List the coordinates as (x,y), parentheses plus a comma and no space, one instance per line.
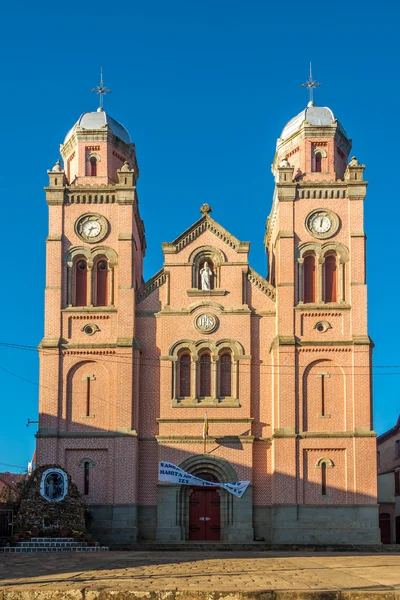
(206,322)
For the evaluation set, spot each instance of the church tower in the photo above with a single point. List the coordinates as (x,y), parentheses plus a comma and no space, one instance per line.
(88,358)
(323,447)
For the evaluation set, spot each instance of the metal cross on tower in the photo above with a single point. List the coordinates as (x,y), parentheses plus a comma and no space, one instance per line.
(101,89)
(311,84)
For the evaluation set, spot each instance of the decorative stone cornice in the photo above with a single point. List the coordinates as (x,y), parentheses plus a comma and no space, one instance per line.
(210,420)
(195,292)
(331,306)
(53,433)
(283,340)
(337,434)
(324,434)
(262,284)
(206,223)
(196,439)
(69,346)
(89,309)
(47,343)
(155,282)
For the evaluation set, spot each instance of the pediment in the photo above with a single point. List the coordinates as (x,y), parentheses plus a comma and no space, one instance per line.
(206,223)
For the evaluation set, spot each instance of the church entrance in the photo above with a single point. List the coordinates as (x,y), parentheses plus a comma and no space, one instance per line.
(204,512)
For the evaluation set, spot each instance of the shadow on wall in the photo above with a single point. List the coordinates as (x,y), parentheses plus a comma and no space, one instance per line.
(124,468)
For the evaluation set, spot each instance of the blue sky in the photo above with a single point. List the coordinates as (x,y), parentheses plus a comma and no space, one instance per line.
(204,89)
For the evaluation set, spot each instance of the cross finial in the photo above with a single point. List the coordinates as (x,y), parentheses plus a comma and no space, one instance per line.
(311,84)
(101,89)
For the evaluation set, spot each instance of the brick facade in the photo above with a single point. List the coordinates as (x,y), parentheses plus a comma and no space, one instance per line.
(297,423)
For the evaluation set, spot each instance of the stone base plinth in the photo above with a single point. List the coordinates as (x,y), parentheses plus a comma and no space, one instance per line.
(317,525)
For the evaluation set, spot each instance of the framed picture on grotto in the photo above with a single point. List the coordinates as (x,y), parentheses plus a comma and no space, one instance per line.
(54,485)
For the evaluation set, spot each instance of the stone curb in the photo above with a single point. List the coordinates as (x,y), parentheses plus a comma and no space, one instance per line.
(129,594)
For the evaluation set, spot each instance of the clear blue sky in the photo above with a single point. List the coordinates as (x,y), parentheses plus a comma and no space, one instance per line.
(204,88)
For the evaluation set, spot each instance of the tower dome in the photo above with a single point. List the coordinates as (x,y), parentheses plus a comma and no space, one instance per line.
(99,120)
(314,115)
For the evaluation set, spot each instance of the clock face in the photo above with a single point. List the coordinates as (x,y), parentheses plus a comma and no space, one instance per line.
(91,227)
(321,223)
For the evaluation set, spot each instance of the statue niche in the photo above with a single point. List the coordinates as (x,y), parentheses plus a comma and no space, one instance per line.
(206,276)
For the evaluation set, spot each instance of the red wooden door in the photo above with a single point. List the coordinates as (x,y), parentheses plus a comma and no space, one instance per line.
(204,515)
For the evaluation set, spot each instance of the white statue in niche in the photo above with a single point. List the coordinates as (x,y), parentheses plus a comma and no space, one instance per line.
(206,275)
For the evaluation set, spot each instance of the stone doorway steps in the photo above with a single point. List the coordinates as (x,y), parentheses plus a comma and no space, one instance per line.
(43,544)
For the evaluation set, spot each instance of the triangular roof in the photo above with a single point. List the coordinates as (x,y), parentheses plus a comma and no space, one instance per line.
(195,230)
(205,223)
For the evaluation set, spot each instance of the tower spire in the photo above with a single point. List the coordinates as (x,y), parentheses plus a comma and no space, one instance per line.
(101,89)
(311,84)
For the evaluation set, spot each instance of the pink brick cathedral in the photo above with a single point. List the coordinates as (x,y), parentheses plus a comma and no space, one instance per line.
(281,365)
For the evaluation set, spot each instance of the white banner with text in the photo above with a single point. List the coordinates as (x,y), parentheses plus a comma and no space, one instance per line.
(169,472)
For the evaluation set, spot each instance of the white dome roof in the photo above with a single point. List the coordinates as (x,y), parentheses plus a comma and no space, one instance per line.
(98,120)
(315,115)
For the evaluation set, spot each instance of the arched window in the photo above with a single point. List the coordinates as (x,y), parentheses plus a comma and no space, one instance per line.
(324,464)
(184,375)
(330,278)
(318,162)
(309,278)
(323,479)
(225,375)
(80,283)
(206,275)
(101,295)
(86,468)
(205,375)
(93,166)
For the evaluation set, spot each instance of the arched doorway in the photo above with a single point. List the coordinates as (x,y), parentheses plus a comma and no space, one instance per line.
(205,511)
(384,524)
(175,515)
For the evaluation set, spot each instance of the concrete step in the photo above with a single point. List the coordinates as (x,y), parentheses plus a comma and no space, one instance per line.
(24,550)
(52,539)
(52,544)
(261,547)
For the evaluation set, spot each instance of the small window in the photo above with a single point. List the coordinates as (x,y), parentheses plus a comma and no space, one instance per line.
(101,283)
(86,468)
(205,375)
(93,166)
(323,479)
(81,283)
(318,162)
(309,278)
(184,375)
(330,269)
(225,365)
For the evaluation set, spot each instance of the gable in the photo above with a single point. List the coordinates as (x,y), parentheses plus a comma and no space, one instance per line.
(206,223)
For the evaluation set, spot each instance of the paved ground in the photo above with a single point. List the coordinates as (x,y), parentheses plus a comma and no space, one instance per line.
(218,571)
